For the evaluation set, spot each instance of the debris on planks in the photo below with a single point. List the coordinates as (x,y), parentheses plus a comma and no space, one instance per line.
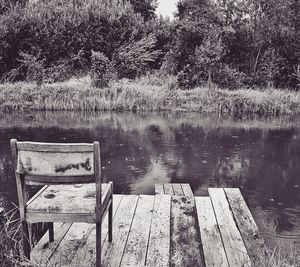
(185,238)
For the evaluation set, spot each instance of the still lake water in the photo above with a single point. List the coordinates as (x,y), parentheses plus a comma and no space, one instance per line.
(260,156)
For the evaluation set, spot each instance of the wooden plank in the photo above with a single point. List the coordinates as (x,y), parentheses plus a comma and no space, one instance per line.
(56,179)
(168,188)
(247,226)
(43,249)
(75,238)
(159,189)
(55,163)
(86,253)
(98,207)
(234,246)
(137,243)
(185,239)
(214,253)
(187,190)
(177,190)
(158,254)
(55,147)
(78,198)
(57,215)
(112,252)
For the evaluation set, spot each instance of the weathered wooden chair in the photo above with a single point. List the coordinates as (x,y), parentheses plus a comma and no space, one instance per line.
(72,192)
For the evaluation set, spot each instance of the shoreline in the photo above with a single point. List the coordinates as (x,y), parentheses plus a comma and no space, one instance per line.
(145,94)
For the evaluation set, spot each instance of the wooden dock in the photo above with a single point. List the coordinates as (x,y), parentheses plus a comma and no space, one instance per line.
(170,228)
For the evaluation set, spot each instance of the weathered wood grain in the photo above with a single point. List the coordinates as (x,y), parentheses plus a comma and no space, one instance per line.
(86,254)
(159,189)
(54,147)
(112,252)
(67,249)
(185,239)
(168,188)
(44,250)
(158,254)
(247,226)
(177,190)
(214,253)
(56,179)
(78,198)
(137,243)
(172,233)
(187,190)
(99,207)
(55,163)
(233,243)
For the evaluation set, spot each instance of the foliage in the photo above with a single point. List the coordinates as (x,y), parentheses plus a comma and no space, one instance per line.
(258,39)
(10,239)
(263,40)
(297,76)
(60,31)
(145,7)
(100,70)
(146,93)
(230,43)
(5,5)
(34,67)
(131,59)
(228,77)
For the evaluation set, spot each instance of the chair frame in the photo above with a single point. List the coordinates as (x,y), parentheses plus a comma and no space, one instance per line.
(23,179)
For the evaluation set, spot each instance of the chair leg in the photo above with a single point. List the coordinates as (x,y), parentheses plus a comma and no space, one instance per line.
(51,232)
(98,244)
(26,240)
(110,219)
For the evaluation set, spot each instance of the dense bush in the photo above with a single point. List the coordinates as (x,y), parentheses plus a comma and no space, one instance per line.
(132,59)
(187,78)
(64,34)
(259,40)
(101,70)
(228,77)
(229,43)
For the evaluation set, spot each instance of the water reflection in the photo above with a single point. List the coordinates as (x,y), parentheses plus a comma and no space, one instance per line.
(261,156)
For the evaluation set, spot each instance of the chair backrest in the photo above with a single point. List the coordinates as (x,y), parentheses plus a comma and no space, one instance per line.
(54,163)
(49,163)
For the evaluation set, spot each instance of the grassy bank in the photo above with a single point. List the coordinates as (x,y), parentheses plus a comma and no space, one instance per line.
(145,94)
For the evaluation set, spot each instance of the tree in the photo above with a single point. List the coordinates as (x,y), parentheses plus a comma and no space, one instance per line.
(197,46)
(145,7)
(263,37)
(5,5)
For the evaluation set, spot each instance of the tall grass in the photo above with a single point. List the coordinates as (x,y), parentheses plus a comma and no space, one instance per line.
(282,256)
(145,94)
(10,236)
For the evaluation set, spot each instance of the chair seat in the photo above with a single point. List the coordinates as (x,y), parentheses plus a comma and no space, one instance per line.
(66,200)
